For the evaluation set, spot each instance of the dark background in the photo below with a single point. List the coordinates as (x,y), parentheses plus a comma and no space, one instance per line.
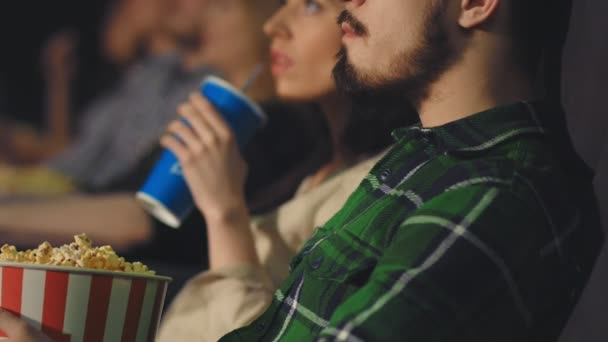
(25,25)
(584,95)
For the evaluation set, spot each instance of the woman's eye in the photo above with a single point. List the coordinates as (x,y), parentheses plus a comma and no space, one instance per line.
(312,7)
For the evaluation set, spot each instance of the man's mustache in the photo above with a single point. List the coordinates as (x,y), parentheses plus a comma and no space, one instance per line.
(356,25)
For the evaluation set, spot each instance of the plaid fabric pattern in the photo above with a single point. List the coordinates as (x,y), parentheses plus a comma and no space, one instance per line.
(464,232)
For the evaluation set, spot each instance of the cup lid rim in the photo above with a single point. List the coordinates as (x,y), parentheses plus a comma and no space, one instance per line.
(69,269)
(220,81)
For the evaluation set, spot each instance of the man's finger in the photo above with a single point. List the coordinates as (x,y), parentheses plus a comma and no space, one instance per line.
(12,325)
(18,330)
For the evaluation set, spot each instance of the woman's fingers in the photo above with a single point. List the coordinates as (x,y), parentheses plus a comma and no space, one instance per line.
(185,135)
(18,330)
(211,115)
(201,133)
(11,325)
(201,128)
(183,154)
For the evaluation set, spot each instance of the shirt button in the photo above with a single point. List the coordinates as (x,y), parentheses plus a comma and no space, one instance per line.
(385,174)
(316,263)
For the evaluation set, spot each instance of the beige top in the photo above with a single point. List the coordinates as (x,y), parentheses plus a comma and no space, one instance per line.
(216,302)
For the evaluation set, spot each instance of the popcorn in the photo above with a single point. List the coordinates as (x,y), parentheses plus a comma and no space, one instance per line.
(79,253)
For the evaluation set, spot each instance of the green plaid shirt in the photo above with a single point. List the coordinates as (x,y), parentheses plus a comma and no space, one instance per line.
(465,232)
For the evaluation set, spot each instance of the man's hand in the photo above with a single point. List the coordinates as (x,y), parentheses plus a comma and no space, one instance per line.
(18,330)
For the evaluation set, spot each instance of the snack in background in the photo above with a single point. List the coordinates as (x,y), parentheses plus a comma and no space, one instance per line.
(34,181)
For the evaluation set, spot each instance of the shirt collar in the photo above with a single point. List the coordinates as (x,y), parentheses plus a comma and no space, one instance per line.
(479,131)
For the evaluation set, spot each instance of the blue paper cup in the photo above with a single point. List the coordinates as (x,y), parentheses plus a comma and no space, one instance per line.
(165,193)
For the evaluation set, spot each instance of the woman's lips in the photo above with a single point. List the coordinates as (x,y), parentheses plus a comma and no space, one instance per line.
(280,62)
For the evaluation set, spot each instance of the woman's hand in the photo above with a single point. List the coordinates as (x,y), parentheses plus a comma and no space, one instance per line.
(212,164)
(18,330)
(215,172)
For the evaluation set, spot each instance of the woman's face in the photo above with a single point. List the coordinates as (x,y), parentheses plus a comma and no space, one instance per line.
(232,34)
(305,41)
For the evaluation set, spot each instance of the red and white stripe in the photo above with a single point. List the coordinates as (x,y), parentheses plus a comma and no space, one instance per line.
(74,307)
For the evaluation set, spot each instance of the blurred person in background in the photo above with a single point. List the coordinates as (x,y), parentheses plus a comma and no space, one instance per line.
(22,144)
(130,32)
(147,39)
(249,256)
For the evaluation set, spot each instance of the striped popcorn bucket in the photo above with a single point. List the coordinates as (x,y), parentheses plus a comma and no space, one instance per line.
(73,305)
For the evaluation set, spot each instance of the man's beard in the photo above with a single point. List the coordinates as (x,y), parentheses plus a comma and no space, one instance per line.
(411,74)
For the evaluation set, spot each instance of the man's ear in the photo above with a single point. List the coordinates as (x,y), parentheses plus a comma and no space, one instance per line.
(476,12)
